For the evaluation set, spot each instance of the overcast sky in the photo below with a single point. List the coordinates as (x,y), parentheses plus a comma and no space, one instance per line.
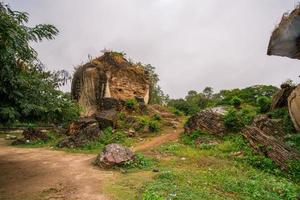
(192,43)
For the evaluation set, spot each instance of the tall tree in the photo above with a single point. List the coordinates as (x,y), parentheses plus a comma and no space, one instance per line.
(27,91)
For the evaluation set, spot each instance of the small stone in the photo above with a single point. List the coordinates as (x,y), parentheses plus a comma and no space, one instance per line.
(237,154)
(10,137)
(183,158)
(155,170)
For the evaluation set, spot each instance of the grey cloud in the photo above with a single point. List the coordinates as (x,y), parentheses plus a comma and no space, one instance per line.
(192,43)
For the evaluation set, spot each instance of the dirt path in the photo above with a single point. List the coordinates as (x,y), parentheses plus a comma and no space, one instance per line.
(33,174)
(168,136)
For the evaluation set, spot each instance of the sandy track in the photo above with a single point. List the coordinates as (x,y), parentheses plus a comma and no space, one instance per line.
(32,174)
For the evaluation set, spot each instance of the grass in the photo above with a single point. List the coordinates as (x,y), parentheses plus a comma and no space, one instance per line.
(207,171)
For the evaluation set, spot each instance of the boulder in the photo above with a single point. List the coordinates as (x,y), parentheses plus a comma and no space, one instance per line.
(34,134)
(270,146)
(294,107)
(107,118)
(280,98)
(269,126)
(114,155)
(210,120)
(266,137)
(110,103)
(80,124)
(87,131)
(285,38)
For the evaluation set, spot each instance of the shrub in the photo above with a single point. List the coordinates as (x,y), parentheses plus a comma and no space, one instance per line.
(264,104)
(156,117)
(153,126)
(233,121)
(109,136)
(130,103)
(121,115)
(236,102)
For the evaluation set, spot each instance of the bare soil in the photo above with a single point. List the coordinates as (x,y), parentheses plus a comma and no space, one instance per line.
(38,173)
(45,174)
(170,135)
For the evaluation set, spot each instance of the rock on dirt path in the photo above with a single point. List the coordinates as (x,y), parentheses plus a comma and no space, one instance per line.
(38,174)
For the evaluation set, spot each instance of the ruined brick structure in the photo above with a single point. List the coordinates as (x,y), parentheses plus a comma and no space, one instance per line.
(112,77)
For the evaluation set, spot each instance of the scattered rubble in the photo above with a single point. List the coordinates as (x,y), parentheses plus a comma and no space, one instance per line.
(87,130)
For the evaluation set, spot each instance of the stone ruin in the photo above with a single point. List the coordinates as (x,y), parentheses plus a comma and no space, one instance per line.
(101,87)
(285,41)
(106,80)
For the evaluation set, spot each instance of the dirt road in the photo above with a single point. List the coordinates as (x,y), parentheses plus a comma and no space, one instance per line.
(168,136)
(45,174)
(33,174)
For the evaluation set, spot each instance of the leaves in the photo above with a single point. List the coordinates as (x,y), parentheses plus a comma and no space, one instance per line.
(29,92)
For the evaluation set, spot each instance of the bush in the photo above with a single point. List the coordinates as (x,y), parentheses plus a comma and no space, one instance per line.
(109,136)
(264,104)
(233,121)
(284,115)
(130,103)
(156,117)
(236,102)
(153,126)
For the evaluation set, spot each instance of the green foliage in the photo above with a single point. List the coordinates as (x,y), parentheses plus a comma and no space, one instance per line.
(157,96)
(28,92)
(293,140)
(151,196)
(110,136)
(264,104)
(284,115)
(140,161)
(294,170)
(247,95)
(194,101)
(233,121)
(153,126)
(156,117)
(184,106)
(236,102)
(131,103)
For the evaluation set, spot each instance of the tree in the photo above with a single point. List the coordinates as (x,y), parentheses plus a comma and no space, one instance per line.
(27,90)
(264,104)
(157,96)
(208,91)
(236,102)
